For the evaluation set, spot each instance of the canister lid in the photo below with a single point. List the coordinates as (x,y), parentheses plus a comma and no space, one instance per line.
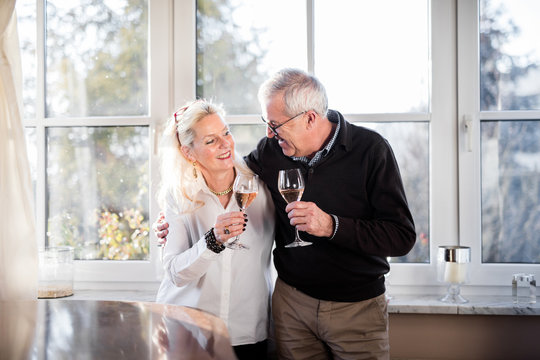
(455,254)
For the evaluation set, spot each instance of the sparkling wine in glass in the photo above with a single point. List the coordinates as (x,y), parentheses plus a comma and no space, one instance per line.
(245,190)
(291,187)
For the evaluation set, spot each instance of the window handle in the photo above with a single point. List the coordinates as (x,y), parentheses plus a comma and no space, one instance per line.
(467,127)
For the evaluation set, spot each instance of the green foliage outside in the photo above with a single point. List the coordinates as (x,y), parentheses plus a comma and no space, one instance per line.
(115,244)
(97,177)
(97,181)
(122,236)
(228,66)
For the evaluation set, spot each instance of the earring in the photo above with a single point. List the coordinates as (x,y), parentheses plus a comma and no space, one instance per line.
(194,170)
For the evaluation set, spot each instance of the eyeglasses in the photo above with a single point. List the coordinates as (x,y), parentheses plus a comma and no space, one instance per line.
(275,127)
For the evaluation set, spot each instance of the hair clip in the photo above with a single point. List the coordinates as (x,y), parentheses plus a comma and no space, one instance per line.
(182,110)
(179,112)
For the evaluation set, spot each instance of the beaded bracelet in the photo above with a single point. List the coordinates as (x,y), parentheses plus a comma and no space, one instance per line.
(212,243)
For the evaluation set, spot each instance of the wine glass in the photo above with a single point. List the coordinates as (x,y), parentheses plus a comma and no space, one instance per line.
(291,187)
(387,282)
(245,190)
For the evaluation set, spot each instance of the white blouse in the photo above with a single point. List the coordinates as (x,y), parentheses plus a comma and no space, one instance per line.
(234,284)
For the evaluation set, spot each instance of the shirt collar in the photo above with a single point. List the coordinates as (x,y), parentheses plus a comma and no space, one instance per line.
(321,153)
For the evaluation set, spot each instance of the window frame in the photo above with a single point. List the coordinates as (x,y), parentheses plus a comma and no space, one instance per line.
(454,123)
(469,147)
(103,273)
(415,277)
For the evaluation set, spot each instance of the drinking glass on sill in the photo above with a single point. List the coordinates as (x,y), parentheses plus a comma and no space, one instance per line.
(55,272)
(527,279)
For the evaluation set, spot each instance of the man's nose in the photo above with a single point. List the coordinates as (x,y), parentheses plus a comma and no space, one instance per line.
(269,133)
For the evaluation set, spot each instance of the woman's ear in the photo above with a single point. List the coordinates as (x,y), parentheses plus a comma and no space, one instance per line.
(187,152)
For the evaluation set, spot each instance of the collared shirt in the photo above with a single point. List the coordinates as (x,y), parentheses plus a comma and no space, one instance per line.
(321,153)
(318,156)
(234,285)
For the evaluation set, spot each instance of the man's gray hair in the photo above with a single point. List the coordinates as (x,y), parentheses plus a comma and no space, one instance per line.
(300,91)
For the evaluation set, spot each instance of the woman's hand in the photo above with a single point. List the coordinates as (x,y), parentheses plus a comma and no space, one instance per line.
(160,227)
(229,225)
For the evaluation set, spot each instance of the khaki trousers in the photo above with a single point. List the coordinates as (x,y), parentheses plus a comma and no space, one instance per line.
(308,328)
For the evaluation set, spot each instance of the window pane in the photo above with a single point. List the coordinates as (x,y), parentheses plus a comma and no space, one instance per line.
(26,26)
(410,142)
(96,58)
(246,137)
(240,43)
(364,73)
(97,188)
(510,191)
(509,55)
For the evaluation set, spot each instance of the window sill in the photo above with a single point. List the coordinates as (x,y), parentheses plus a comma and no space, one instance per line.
(398,304)
(477,305)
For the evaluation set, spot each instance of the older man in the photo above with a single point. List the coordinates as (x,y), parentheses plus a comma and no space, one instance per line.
(329,297)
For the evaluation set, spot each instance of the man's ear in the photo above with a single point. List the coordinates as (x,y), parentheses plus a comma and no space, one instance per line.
(311,119)
(187,152)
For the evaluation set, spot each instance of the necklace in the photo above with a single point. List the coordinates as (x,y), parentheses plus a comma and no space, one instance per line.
(219,193)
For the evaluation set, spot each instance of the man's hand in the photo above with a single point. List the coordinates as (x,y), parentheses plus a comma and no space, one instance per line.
(307,216)
(160,228)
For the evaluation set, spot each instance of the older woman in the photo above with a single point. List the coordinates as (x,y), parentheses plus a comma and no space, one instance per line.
(198,169)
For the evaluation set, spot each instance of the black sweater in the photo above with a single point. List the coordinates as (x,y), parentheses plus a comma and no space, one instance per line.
(359,182)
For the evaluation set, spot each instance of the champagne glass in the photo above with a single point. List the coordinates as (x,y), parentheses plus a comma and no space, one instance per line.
(291,187)
(246,187)
(387,282)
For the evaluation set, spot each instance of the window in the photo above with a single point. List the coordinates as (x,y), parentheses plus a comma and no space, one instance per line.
(97,186)
(239,43)
(387,73)
(510,191)
(402,82)
(453,86)
(256,45)
(89,91)
(500,127)
(96,58)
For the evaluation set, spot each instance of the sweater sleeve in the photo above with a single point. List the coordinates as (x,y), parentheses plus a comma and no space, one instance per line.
(389,231)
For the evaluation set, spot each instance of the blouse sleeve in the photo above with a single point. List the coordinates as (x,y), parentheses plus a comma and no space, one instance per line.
(185,259)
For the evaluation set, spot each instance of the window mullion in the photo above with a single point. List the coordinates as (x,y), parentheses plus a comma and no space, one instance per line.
(310,21)
(469,129)
(184,52)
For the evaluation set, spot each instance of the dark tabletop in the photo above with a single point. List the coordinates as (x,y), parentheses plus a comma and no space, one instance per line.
(86,329)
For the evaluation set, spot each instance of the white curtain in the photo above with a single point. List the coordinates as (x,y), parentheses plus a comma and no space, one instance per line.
(18,248)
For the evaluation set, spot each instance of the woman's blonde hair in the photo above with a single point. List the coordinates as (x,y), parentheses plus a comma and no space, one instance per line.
(178,182)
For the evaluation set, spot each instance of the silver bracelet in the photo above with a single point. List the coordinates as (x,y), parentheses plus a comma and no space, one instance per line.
(336,225)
